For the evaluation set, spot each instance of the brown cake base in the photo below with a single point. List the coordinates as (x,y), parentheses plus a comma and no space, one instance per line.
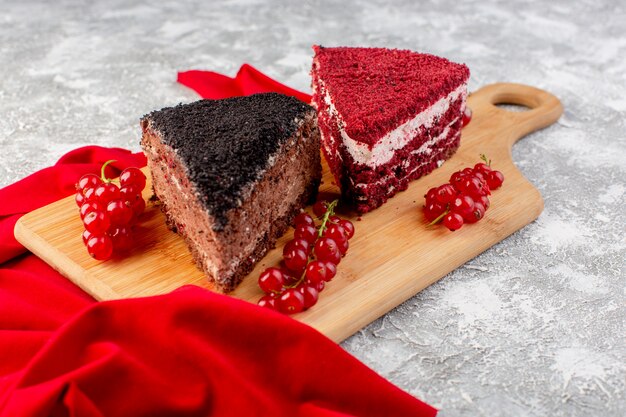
(266,243)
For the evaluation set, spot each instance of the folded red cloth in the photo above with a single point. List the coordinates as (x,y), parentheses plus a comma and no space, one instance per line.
(248,81)
(191,352)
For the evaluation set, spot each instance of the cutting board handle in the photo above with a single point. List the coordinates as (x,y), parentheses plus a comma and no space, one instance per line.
(544,109)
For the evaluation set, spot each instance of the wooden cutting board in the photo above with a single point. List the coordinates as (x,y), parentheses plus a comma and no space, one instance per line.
(392,256)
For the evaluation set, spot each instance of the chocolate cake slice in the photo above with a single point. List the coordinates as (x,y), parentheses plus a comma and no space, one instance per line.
(232,174)
(386,116)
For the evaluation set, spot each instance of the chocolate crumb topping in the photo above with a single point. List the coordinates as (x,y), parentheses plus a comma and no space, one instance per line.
(226,144)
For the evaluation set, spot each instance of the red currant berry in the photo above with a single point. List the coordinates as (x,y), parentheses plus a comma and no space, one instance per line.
(453,221)
(296,260)
(310,295)
(343,246)
(119,212)
(445,194)
(107,192)
(472,186)
(130,193)
(463,205)
(326,250)
(97,222)
(290,276)
(89,194)
(479,210)
(86,236)
(133,176)
(100,247)
(480,176)
(431,195)
(122,238)
(271,280)
(297,243)
(485,202)
(268,301)
(331,270)
(334,219)
(79,198)
(486,188)
(315,272)
(495,179)
(456,179)
(336,232)
(467,116)
(291,301)
(88,181)
(304,218)
(482,168)
(306,232)
(467,171)
(320,207)
(433,210)
(88,207)
(320,286)
(477,214)
(348,227)
(138,206)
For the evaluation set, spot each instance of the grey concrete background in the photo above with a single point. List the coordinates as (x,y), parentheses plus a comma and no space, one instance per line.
(533,327)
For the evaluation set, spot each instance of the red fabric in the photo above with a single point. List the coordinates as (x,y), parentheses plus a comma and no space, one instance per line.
(248,81)
(188,353)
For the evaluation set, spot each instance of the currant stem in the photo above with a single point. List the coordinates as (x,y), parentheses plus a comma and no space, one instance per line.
(330,210)
(298,282)
(438,219)
(484,158)
(102,175)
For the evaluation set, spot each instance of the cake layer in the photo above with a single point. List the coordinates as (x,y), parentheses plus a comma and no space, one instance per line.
(384,148)
(424,153)
(334,137)
(378,89)
(369,196)
(422,147)
(227,245)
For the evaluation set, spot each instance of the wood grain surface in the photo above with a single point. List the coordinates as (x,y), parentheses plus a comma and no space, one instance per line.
(392,256)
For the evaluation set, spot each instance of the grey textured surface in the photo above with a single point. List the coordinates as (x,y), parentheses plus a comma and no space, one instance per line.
(533,327)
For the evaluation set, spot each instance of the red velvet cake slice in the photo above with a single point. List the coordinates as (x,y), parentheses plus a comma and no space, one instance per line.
(232,174)
(386,117)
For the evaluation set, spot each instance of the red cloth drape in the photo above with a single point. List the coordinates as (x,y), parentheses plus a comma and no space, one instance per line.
(188,353)
(248,81)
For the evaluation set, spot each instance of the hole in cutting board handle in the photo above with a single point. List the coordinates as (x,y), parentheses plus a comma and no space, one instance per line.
(513,107)
(515,101)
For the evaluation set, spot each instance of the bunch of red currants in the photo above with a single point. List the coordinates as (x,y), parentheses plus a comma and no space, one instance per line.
(309,260)
(465,199)
(108,212)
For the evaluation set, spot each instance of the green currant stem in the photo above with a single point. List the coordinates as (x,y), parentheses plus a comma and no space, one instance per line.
(102,174)
(300,280)
(484,158)
(330,210)
(438,219)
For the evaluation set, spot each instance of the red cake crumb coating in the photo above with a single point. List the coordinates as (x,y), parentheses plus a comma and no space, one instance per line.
(377,89)
(373,91)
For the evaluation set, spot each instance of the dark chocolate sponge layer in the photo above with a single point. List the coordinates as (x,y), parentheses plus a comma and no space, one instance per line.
(226,144)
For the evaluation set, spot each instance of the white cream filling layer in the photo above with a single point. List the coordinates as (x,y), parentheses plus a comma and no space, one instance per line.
(384,149)
(423,149)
